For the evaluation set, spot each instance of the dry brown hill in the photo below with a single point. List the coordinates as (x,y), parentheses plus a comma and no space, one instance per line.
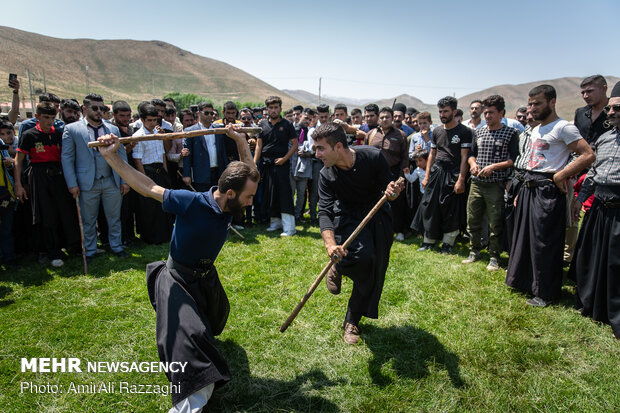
(567,89)
(122,69)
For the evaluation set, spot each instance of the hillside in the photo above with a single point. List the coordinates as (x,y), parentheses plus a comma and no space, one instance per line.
(567,89)
(515,95)
(122,69)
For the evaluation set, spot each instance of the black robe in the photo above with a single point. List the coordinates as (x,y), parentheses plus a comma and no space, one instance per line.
(596,263)
(345,198)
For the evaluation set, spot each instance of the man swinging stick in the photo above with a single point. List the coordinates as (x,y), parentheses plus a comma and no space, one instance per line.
(351,183)
(190,303)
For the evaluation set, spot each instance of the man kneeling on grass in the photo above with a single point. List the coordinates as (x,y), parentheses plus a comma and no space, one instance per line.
(190,303)
(350,185)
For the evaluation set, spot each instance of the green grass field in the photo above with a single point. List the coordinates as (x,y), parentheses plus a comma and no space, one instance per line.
(449,337)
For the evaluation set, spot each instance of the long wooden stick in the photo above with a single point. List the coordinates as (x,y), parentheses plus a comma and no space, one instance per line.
(331,262)
(79,213)
(176,135)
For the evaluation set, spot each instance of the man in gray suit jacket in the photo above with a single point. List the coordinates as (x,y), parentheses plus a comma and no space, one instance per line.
(90,177)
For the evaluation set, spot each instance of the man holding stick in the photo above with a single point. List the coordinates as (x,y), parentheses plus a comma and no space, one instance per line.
(350,184)
(190,303)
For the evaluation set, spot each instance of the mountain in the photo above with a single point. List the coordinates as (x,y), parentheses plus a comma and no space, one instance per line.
(567,88)
(311,99)
(123,69)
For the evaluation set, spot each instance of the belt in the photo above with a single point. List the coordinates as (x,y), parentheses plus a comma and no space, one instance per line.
(155,167)
(200,271)
(611,205)
(537,183)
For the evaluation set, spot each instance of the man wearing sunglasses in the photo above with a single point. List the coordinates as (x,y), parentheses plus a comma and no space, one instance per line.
(207,155)
(595,265)
(90,178)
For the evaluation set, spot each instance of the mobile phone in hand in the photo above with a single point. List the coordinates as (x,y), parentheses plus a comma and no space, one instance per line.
(12,79)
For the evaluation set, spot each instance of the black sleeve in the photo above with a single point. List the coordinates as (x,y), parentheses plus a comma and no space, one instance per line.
(327,198)
(292,134)
(384,175)
(473,151)
(26,141)
(513,146)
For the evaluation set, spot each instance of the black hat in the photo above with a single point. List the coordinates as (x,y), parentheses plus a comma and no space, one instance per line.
(399,107)
(615,92)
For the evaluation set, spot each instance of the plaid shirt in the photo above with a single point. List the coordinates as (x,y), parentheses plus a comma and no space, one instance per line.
(606,168)
(148,151)
(494,146)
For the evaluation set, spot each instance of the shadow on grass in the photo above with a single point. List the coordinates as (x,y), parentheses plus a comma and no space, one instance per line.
(4,291)
(247,393)
(409,351)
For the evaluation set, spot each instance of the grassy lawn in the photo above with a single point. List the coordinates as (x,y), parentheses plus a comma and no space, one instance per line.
(449,337)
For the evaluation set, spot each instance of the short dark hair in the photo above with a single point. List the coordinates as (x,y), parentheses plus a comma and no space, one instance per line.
(448,101)
(475,101)
(120,106)
(105,109)
(341,106)
(547,90)
(332,133)
(158,102)
(142,104)
(388,110)
(459,112)
(412,111)
(399,107)
(186,112)
(49,97)
(230,105)
(420,153)
(597,79)
(92,97)
(322,108)
(522,109)
(235,177)
(309,112)
(170,110)
(288,112)
(203,105)
(271,100)
(356,111)
(5,124)
(46,108)
(69,103)
(371,107)
(148,110)
(170,100)
(298,107)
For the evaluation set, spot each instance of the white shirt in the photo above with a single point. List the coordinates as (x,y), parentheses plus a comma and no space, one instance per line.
(416,175)
(548,151)
(210,142)
(148,151)
(471,125)
(164,124)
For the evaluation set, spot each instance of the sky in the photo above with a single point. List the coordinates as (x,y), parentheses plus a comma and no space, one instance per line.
(360,49)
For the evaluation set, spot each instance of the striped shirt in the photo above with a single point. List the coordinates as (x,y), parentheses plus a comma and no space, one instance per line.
(606,168)
(524,144)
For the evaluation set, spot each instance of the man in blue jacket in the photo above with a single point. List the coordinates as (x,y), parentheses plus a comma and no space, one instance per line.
(207,155)
(90,177)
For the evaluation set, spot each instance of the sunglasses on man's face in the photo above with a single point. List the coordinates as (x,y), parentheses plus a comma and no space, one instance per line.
(616,108)
(246,118)
(521,117)
(97,108)
(208,113)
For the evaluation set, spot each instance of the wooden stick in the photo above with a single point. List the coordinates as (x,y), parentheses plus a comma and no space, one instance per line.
(176,135)
(331,262)
(230,226)
(79,213)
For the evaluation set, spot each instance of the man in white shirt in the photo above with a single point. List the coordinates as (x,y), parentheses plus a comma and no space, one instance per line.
(536,253)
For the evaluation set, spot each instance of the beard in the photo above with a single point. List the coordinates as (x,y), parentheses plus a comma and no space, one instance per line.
(544,113)
(446,119)
(235,208)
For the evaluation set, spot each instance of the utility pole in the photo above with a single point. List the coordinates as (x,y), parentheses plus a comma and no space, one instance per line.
(44,83)
(153,85)
(30,87)
(87,81)
(320,90)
